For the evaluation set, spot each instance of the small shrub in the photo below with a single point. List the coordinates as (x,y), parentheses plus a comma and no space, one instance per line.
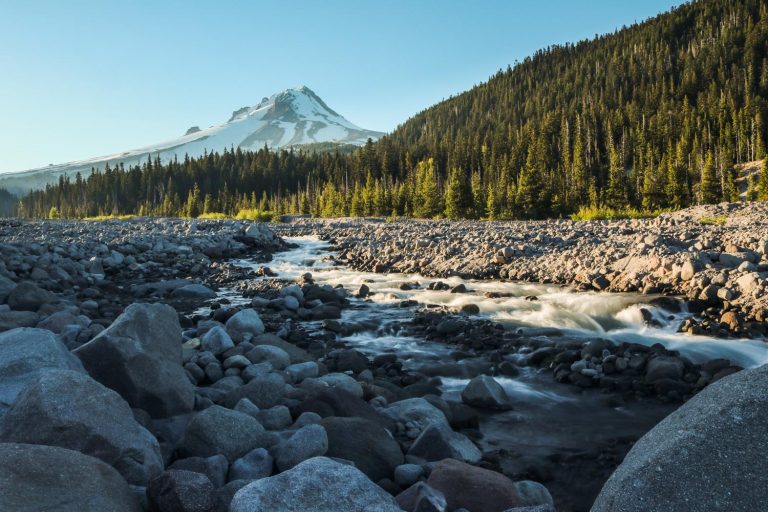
(255,215)
(717,220)
(212,216)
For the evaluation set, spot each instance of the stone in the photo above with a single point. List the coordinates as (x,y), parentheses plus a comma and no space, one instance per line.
(71,410)
(300,371)
(687,271)
(664,367)
(139,356)
(37,478)
(177,490)
(15,319)
(257,463)
(747,283)
(533,494)
(707,455)
(277,357)
(25,355)
(193,292)
(28,296)
(438,441)
(296,354)
(415,410)
(216,341)
(484,392)
(731,320)
(214,467)
(318,484)
(366,443)
(245,322)
(265,391)
(473,488)
(408,474)
(275,418)
(305,443)
(217,430)
(421,497)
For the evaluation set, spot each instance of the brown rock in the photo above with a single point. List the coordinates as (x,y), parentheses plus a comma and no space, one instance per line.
(473,488)
(731,320)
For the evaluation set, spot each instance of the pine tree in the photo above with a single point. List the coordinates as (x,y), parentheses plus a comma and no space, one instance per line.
(762,183)
(458,195)
(616,195)
(710,189)
(427,193)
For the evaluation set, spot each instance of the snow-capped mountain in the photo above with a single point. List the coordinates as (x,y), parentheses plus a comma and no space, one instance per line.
(293,117)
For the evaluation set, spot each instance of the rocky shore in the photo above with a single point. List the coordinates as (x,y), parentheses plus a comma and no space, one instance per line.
(715,256)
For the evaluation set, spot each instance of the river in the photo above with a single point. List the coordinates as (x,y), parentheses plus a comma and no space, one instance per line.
(566,437)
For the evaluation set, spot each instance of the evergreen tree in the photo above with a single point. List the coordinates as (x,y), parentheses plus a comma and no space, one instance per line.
(762,183)
(458,195)
(710,189)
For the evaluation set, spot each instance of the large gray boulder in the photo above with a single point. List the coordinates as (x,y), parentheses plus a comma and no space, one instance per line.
(319,484)
(307,442)
(25,354)
(139,356)
(28,296)
(36,478)
(438,441)
(484,392)
(245,323)
(71,410)
(708,455)
(220,431)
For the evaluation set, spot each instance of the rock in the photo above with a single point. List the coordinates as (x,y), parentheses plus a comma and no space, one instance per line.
(747,283)
(15,319)
(177,490)
(473,488)
(215,467)
(216,341)
(707,455)
(438,441)
(139,356)
(318,484)
(277,357)
(300,371)
(28,296)
(363,291)
(688,271)
(533,494)
(484,392)
(408,474)
(253,465)
(193,292)
(264,391)
(245,323)
(364,442)
(25,354)
(449,326)
(415,410)
(420,497)
(71,410)
(470,309)
(731,320)
(305,443)
(217,430)
(275,418)
(338,402)
(664,367)
(296,354)
(36,478)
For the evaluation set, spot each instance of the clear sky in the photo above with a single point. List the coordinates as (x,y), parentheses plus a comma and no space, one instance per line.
(84,78)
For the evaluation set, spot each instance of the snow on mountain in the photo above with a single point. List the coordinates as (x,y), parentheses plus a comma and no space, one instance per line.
(292,117)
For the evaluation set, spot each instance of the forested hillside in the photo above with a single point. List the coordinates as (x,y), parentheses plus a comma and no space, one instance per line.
(653,116)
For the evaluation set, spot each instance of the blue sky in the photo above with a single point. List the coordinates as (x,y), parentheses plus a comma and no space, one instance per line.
(85,78)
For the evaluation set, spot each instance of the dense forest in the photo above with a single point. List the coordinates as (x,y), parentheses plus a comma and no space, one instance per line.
(656,115)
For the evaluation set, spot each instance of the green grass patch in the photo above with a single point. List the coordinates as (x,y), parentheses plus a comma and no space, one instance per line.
(600,213)
(717,220)
(213,216)
(255,215)
(110,217)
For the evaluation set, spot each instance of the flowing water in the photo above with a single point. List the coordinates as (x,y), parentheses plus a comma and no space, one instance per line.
(555,431)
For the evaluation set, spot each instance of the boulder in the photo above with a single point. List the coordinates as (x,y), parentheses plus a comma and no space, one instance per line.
(245,323)
(215,467)
(28,296)
(24,355)
(307,442)
(484,392)
(438,441)
(664,367)
(318,484)
(37,478)
(253,465)
(364,442)
(193,292)
(277,357)
(71,410)
(15,319)
(417,411)
(296,354)
(139,356)
(473,488)
(534,494)
(707,455)
(217,430)
(265,391)
(177,490)
(216,341)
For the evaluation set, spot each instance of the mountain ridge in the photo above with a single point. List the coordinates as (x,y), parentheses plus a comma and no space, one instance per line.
(296,116)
